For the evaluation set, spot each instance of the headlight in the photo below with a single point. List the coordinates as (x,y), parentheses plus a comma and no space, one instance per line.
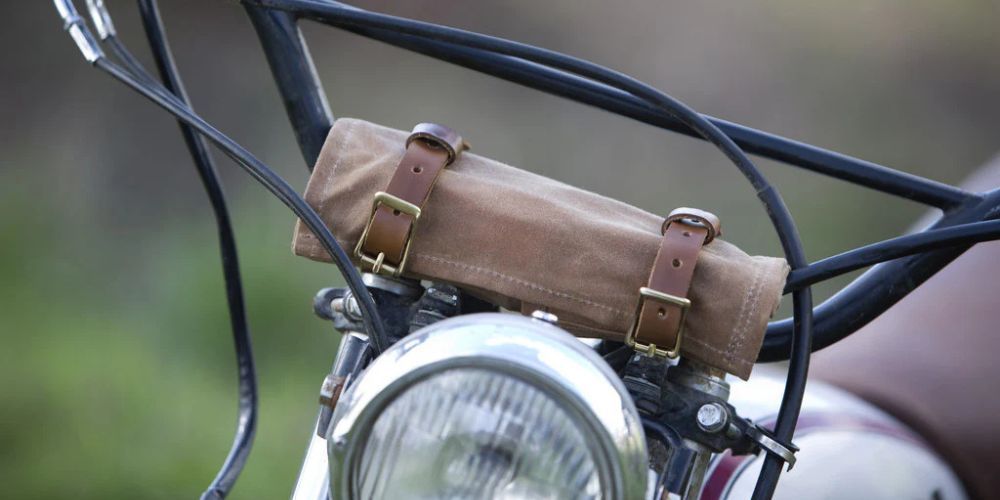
(487,406)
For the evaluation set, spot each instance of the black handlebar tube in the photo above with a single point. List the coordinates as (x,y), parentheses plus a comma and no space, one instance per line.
(879,288)
(294,72)
(961,235)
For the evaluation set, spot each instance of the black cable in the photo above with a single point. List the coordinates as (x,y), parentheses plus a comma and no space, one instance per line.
(960,235)
(246,372)
(131,62)
(339,15)
(259,171)
(664,433)
(247,378)
(674,442)
(274,184)
(263,174)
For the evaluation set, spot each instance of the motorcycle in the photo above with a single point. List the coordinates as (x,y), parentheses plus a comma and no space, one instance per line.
(434,394)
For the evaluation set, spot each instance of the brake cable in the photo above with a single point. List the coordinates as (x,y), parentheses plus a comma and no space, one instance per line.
(248,396)
(248,399)
(247,386)
(258,170)
(174,101)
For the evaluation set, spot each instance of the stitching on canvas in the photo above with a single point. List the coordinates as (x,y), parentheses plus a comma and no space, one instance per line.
(746,320)
(315,248)
(340,156)
(518,281)
(737,329)
(738,361)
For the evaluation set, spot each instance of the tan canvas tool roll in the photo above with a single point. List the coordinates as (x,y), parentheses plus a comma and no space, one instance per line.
(525,241)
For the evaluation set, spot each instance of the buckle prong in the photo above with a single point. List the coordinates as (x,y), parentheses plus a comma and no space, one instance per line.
(646,293)
(377,266)
(378,262)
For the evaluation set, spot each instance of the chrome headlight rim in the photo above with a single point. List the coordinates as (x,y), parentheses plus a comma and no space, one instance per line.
(357,437)
(531,351)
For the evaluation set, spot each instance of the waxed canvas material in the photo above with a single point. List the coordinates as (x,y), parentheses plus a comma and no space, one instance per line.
(525,241)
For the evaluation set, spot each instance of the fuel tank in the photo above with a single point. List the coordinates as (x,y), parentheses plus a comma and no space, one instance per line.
(849,450)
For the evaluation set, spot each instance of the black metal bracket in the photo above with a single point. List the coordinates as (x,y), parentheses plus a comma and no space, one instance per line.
(404,309)
(679,408)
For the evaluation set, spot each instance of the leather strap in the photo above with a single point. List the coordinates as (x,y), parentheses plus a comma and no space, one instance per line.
(429,149)
(663,303)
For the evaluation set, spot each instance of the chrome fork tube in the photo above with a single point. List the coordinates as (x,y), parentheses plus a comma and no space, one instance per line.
(314,477)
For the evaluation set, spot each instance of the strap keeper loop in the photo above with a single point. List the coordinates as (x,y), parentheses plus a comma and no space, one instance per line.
(697,218)
(441,137)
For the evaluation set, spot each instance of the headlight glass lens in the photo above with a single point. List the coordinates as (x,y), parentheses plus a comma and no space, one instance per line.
(476,433)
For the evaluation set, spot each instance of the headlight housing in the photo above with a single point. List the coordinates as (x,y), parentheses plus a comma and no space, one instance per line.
(487,406)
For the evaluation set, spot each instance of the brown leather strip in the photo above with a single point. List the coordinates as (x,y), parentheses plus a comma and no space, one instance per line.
(430,148)
(686,231)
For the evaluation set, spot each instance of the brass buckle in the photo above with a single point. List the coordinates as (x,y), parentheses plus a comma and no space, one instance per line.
(378,262)
(665,298)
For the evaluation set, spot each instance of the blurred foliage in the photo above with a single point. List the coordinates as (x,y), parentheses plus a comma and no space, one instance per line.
(118,375)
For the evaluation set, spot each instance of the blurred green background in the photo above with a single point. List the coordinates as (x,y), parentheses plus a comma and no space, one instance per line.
(117,370)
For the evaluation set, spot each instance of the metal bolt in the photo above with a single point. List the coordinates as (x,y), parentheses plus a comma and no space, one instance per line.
(545,316)
(348,306)
(712,417)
